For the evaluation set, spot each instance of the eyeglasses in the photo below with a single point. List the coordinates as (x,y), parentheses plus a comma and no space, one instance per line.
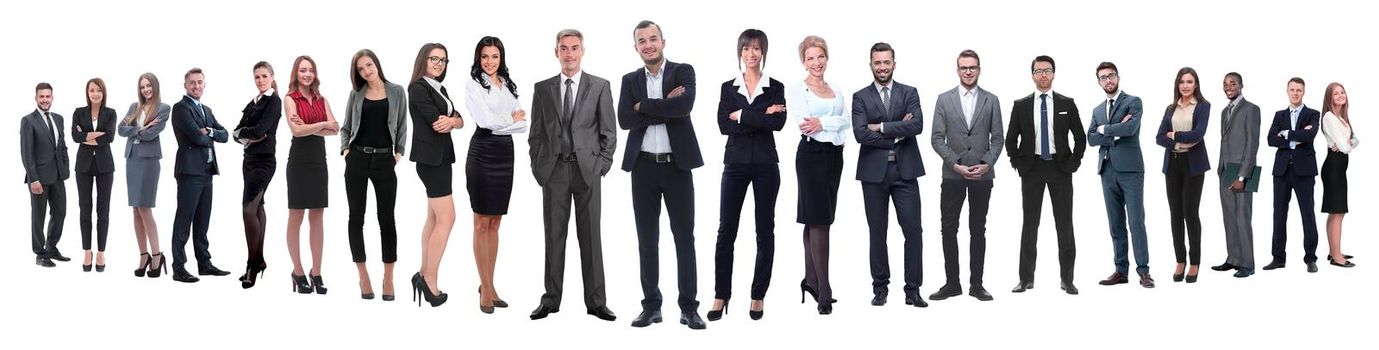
(1108,77)
(1045,71)
(966,69)
(439,60)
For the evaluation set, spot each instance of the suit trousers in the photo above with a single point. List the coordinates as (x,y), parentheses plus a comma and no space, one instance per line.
(1284,188)
(360,169)
(1237,210)
(765,182)
(567,185)
(651,182)
(1184,204)
(192,221)
(101,183)
(54,201)
(1046,174)
(876,198)
(953,193)
(1123,193)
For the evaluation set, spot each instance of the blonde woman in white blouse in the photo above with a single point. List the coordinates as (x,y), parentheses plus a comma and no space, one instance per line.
(491,97)
(1340,141)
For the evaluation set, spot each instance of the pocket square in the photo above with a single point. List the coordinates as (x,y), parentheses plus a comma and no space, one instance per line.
(1063,112)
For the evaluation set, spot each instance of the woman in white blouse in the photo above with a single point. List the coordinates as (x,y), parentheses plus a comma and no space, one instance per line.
(1340,140)
(818,113)
(491,97)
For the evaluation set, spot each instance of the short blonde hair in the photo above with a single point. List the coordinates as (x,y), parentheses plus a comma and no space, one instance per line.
(812,41)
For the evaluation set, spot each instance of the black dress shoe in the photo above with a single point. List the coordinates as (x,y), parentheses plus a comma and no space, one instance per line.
(44,262)
(979,293)
(1022,287)
(1146,281)
(1273,265)
(1312,267)
(945,292)
(542,311)
(1068,287)
(1224,267)
(211,270)
(183,276)
(1116,278)
(647,317)
(1242,273)
(690,319)
(55,255)
(914,300)
(879,298)
(603,313)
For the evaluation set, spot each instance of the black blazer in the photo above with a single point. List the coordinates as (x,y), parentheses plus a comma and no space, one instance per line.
(193,146)
(876,145)
(260,120)
(428,146)
(44,156)
(673,112)
(94,159)
(1304,158)
(1197,155)
(750,139)
(1020,144)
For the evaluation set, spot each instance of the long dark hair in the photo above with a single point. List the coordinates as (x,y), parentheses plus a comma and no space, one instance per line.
(476,72)
(100,84)
(424,55)
(1196,91)
(358,80)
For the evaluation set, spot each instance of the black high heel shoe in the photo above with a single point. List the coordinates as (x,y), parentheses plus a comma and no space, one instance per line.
(419,287)
(139,272)
(317,284)
(86,267)
(300,285)
(715,315)
(755,314)
(162,264)
(805,288)
(825,308)
(100,267)
(251,276)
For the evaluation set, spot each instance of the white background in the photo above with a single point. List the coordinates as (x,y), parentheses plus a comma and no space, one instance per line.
(66,43)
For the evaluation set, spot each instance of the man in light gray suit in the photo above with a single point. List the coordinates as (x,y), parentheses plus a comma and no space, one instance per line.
(45,169)
(1239,144)
(968,134)
(573,133)
(1115,129)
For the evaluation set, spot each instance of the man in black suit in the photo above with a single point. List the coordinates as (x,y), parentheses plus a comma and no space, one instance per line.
(886,118)
(655,105)
(45,168)
(1040,151)
(197,131)
(1295,171)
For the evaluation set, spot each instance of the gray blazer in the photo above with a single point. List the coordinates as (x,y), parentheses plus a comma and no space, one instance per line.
(43,153)
(594,128)
(143,142)
(959,143)
(397,117)
(1121,141)
(1239,138)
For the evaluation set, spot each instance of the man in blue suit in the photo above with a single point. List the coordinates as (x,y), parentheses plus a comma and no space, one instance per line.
(1295,171)
(1115,128)
(197,132)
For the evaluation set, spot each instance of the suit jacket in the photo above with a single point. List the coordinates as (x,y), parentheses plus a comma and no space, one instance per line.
(1120,142)
(1239,138)
(957,142)
(193,146)
(44,156)
(751,139)
(876,145)
(1020,143)
(397,117)
(1197,155)
(260,120)
(427,105)
(674,113)
(594,129)
(94,159)
(1304,158)
(143,142)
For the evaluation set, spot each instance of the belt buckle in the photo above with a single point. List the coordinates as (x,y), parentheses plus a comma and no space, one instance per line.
(567,157)
(890,157)
(662,158)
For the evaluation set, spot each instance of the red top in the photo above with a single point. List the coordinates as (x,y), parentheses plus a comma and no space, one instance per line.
(311,111)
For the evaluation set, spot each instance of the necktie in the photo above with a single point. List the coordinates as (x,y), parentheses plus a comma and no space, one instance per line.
(886,100)
(1111,108)
(1229,109)
(210,152)
(52,128)
(1044,126)
(566,106)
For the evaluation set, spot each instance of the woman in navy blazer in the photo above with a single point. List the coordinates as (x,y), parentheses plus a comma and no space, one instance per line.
(1185,166)
(93,128)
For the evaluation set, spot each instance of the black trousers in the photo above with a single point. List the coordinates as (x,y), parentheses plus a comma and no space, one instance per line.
(877,198)
(1284,188)
(1184,204)
(54,201)
(950,206)
(1046,174)
(360,169)
(651,182)
(765,182)
(192,221)
(102,183)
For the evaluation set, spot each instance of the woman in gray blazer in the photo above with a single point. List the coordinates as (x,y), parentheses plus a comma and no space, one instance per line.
(140,127)
(371,140)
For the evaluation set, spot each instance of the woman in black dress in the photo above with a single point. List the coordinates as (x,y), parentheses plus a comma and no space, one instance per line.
(255,131)
(433,117)
(491,97)
(308,181)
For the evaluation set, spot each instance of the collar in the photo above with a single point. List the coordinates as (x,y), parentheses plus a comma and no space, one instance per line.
(1190,104)
(194,100)
(878,86)
(661,69)
(41,113)
(576,78)
(1116,96)
(270,92)
(1296,109)
(1037,93)
(433,82)
(964,91)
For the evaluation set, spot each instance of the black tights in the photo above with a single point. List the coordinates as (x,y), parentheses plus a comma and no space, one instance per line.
(816,260)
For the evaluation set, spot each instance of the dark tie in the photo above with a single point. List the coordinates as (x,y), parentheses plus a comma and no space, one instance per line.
(566,107)
(886,100)
(1111,108)
(1044,126)
(52,128)
(1229,109)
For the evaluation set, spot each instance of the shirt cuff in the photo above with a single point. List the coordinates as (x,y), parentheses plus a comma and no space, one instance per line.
(1101,129)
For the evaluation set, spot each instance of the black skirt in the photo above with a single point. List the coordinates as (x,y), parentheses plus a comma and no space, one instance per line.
(1334,184)
(258,172)
(819,168)
(308,179)
(488,172)
(436,179)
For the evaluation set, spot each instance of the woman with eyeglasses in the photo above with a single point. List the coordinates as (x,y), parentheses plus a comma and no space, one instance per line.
(1185,165)
(433,116)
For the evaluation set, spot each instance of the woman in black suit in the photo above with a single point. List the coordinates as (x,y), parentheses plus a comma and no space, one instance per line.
(93,128)
(256,132)
(751,108)
(433,117)
(1185,168)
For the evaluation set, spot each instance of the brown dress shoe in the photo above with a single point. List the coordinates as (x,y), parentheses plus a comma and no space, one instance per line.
(1146,281)
(1116,278)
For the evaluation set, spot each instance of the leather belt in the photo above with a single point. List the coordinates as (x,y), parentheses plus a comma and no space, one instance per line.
(567,157)
(372,150)
(658,158)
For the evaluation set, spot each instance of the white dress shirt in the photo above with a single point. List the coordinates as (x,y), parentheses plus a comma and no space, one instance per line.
(803,103)
(1293,113)
(449,106)
(51,126)
(492,108)
(741,85)
(1053,113)
(656,140)
(1110,105)
(889,103)
(574,89)
(1338,133)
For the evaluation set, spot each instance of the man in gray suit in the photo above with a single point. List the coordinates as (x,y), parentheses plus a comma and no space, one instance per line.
(45,169)
(968,134)
(885,118)
(1239,144)
(1115,129)
(573,133)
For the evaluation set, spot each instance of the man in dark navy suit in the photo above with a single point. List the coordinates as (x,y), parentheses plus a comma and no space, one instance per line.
(1295,171)
(197,131)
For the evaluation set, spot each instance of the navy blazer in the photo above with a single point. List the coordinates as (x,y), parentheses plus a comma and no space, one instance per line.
(193,146)
(1304,158)
(1197,155)
(871,158)
(750,138)
(673,112)
(94,159)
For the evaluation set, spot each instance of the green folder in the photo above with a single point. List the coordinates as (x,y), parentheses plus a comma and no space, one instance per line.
(1232,171)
